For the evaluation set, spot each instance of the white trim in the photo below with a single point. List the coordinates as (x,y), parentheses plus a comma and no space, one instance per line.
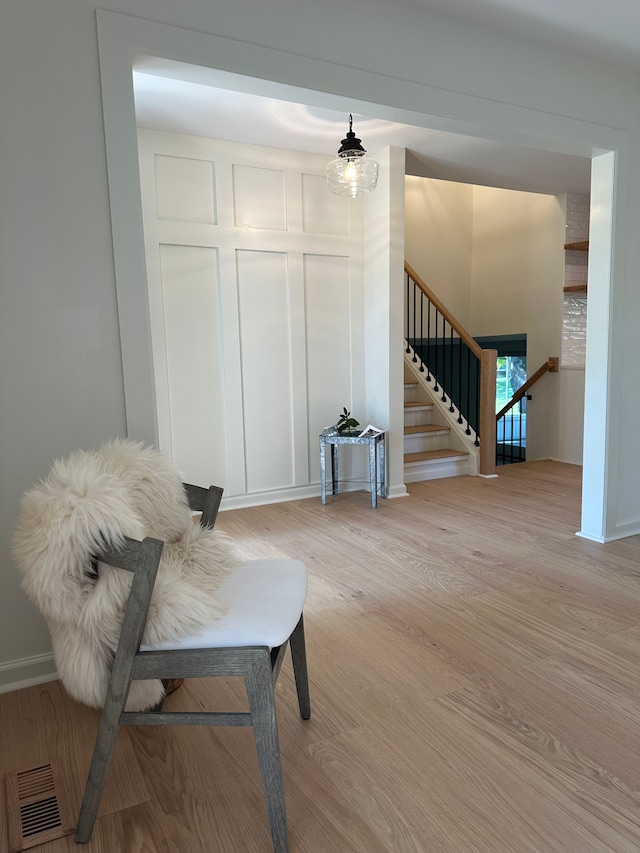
(294,493)
(397,492)
(599,539)
(601,410)
(121,38)
(20,669)
(622,531)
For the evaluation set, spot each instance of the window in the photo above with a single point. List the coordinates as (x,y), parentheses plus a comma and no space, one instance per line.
(511,375)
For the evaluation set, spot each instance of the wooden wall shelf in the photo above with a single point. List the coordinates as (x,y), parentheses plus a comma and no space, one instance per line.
(576,288)
(580,246)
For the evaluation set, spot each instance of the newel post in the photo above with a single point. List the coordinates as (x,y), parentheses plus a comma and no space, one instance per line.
(488,364)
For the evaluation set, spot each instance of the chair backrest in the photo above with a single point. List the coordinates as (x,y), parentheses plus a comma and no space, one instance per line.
(93,502)
(206,501)
(143,559)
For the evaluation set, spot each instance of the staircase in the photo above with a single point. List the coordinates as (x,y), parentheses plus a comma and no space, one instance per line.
(432,446)
(451,426)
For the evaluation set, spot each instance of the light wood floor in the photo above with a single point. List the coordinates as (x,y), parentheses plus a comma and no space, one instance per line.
(475,677)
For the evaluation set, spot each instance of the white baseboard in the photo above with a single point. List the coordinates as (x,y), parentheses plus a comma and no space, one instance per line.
(25,672)
(600,539)
(293,493)
(399,491)
(623,531)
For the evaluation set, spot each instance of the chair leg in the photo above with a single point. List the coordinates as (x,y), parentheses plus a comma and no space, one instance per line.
(299,658)
(263,714)
(102,752)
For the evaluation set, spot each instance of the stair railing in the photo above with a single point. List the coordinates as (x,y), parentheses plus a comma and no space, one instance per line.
(463,372)
(511,435)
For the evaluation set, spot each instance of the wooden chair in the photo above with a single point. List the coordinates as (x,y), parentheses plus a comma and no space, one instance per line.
(265,599)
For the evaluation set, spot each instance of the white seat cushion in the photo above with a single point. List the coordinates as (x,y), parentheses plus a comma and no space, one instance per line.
(265,600)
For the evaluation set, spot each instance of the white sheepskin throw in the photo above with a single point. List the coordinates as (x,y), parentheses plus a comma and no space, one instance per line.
(88,503)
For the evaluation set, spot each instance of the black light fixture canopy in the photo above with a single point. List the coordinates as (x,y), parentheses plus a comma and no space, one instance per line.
(351,143)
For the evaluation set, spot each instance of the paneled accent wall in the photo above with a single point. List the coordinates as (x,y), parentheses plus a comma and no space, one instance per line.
(256,305)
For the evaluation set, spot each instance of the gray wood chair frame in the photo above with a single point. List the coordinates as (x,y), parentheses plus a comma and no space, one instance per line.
(259,665)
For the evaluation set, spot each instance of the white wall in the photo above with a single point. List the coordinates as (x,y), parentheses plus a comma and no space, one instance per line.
(517,280)
(571,415)
(60,346)
(438,239)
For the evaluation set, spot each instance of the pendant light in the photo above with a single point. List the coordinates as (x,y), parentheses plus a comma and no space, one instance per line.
(352,173)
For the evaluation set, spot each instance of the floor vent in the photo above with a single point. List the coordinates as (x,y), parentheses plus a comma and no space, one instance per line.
(36,809)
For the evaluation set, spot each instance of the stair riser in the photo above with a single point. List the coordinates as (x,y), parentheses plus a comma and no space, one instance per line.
(435,470)
(412,418)
(418,443)
(410,392)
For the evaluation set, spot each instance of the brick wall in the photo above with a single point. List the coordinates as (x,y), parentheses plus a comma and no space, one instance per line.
(574,312)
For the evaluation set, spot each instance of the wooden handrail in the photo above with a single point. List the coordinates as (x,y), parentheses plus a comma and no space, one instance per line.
(487,359)
(551,365)
(575,288)
(473,345)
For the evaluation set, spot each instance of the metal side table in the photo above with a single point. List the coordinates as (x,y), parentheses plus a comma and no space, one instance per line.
(376,445)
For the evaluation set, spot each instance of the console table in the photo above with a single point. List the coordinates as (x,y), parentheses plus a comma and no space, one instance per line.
(376,444)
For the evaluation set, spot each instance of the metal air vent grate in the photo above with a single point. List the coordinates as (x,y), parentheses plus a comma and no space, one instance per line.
(36,812)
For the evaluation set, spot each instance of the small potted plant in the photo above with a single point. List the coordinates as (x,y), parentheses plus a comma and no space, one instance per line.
(346,424)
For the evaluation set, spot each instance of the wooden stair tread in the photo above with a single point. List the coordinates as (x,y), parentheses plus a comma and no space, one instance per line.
(415,404)
(425,455)
(418,428)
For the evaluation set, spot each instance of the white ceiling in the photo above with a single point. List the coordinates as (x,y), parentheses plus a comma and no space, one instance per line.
(178,98)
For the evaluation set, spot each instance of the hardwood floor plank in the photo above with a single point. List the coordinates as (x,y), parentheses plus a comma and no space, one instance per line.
(600,801)
(475,686)
(43,722)
(439,790)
